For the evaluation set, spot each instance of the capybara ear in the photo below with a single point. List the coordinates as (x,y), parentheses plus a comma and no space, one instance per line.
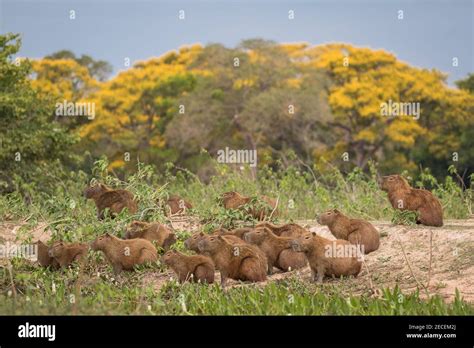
(220,237)
(336,211)
(313,234)
(201,234)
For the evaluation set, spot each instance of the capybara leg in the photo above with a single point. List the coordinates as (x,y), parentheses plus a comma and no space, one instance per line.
(223,278)
(320,274)
(204,274)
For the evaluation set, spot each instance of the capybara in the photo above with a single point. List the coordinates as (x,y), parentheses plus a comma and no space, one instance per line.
(175,205)
(404,197)
(192,242)
(277,249)
(154,232)
(286,230)
(116,200)
(238,232)
(196,268)
(44,259)
(329,257)
(67,253)
(124,254)
(356,231)
(261,209)
(240,262)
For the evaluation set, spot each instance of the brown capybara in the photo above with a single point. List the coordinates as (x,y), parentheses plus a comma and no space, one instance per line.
(277,249)
(175,205)
(192,242)
(262,209)
(329,257)
(404,197)
(196,268)
(124,254)
(238,232)
(356,231)
(286,230)
(154,232)
(44,259)
(67,253)
(240,262)
(116,200)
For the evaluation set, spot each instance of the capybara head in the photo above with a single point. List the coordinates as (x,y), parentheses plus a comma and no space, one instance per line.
(100,242)
(169,257)
(256,236)
(328,217)
(134,229)
(393,183)
(94,190)
(192,242)
(302,243)
(56,249)
(210,243)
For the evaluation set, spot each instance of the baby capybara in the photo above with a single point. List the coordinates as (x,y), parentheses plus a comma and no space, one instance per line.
(286,230)
(125,254)
(277,250)
(192,242)
(196,268)
(116,200)
(154,232)
(355,231)
(67,253)
(240,262)
(175,205)
(329,257)
(263,207)
(44,259)
(404,197)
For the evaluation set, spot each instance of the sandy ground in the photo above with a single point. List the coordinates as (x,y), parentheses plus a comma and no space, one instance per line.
(435,260)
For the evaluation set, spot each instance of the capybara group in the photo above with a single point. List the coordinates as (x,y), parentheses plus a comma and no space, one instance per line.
(241,262)
(125,254)
(196,268)
(115,200)
(154,232)
(403,197)
(329,257)
(260,209)
(277,249)
(355,231)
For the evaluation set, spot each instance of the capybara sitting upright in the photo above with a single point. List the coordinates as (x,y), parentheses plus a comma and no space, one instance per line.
(196,268)
(175,205)
(44,259)
(67,253)
(404,197)
(116,200)
(286,230)
(263,207)
(356,231)
(329,257)
(151,231)
(240,262)
(277,249)
(125,254)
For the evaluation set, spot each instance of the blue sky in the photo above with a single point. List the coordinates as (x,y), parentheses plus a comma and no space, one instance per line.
(430,35)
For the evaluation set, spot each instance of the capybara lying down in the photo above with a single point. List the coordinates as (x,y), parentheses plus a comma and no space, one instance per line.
(176,205)
(116,200)
(237,232)
(286,230)
(153,231)
(277,249)
(192,242)
(355,231)
(240,262)
(195,268)
(329,257)
(125,254)
(67,253)
(263,207)
(404,197)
